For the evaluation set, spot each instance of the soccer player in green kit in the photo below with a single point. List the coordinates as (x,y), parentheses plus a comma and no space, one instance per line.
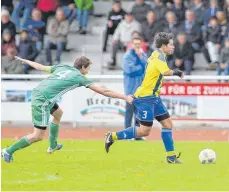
(63,78)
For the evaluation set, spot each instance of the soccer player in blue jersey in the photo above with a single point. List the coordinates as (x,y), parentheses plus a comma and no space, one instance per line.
(147,101)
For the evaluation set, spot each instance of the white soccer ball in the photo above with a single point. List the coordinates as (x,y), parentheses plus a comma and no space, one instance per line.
(207,156)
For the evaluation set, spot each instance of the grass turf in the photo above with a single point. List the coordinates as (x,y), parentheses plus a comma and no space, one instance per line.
(139,165)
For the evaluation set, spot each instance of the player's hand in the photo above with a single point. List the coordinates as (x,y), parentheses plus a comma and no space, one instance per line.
(178,72)
(129,99)
(19,59)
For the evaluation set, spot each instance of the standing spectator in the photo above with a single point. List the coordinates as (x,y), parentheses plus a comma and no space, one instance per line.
(183,56)
(7,41)
(9,64)
(140,9)
(115,16)
(212,39)
(193,30)
(83,6)
(199,11)
(33,26)
(122,36)
(210,12)
(226,8)
(159,9)
(171,24)
(224,59)
(48,8)
(6,23)
(179,10)
(69,8)
(57,30)
(7,4)
(27,49)
(134,62)
(26,6)
(223,25)
(144,45)
(149,30)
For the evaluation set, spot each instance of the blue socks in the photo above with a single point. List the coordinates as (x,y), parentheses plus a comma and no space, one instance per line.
(128,133)
(166,135)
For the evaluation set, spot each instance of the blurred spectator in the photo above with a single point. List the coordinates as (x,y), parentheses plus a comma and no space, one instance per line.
(223,25)
(27,49)
(159,9)
(9,64)
(69,8)
(122,36)
(171,24)
(26,6)
(7,4)
(140,9)
(115,16)
(7,41)
(212,39)
(183,56)
(134,35)
(83,7)
(224,59)
(134,62)
(33,26)
(179,10)
(57,29)
(226,8)
(199,11)
(6,23)
(211,11)
(48,8)
(149,30)
(192,29)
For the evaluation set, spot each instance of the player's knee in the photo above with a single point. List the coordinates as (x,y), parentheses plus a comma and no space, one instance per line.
(38,137)
(146,132)
(59,114)
(167,123)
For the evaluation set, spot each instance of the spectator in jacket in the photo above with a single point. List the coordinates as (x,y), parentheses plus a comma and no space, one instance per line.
(159,9)
(27,49)
(144,45)
(223,25)
(57,30)
(83,6)
(115,16)
(226,8)
(134,62)
(34,26)
(7,41)
(210,12)
(192,29)
(171,25)
(212,39)
(224,59)
(6,23)
(7,4)
(183,56)
(140,10)
(9,64)
(179,10)
(122,36)
(199,11)
(26,6)
(69,8)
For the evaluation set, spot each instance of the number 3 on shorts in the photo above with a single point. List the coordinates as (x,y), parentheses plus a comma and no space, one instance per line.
(144,115)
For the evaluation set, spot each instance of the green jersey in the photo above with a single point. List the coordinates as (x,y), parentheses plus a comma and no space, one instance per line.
(63,79)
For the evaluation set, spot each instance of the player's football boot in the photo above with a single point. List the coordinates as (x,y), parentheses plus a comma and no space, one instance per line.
(173,159)
(6,156)
(58,147)
(108,141)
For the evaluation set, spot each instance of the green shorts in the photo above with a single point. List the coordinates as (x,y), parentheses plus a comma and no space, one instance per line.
(41,108)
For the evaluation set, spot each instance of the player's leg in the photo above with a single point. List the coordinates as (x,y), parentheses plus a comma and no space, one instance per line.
(163,117)
(57,113)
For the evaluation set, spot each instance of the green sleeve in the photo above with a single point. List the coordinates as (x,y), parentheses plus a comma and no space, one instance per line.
(85,82)
(50,69)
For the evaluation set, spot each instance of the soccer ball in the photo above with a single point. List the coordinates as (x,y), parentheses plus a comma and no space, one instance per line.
(207,156)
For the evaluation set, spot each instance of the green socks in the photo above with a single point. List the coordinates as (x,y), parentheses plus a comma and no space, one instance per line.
(53,134)
(22,143)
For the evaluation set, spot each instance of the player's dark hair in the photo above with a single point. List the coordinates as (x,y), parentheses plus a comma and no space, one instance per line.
(162,38)
(82,61)
(136,38)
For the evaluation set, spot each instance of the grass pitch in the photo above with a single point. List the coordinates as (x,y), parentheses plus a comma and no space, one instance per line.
(138,165)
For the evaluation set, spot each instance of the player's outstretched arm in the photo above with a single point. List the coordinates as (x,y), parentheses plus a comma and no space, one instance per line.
(35,65)
(109,93)
(176,72)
